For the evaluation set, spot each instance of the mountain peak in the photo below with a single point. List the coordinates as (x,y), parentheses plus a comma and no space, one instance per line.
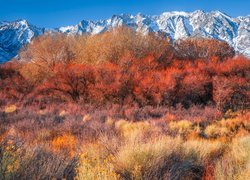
(219,13)
(175,13)
(13,35)
(176,24)
(21,21)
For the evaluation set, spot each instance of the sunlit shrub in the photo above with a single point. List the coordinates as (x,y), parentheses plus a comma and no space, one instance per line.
(226,127)
(181,127)
(203,151)
(214,131)
(94,168)
(65,143)
(10,157)
(133,131)
(135,159)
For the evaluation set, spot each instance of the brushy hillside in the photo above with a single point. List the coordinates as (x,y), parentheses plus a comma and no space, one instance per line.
(123,105)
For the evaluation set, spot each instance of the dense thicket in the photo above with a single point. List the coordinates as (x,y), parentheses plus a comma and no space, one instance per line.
(125,67)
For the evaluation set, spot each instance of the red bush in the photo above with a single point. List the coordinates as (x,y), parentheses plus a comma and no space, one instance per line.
(12,83)
(107,84)
(72,80)
(154,88)
(239,66)
(231,93)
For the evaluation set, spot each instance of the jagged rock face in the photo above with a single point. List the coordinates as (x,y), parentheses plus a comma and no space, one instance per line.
(13,35)
(177,25)
(235,31)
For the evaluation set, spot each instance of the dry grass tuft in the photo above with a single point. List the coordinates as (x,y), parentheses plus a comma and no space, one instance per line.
(10,109)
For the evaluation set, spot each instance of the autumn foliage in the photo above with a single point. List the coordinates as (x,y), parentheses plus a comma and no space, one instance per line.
(124,67)
(125,105)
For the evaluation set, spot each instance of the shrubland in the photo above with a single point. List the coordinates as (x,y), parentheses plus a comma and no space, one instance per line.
(125,105)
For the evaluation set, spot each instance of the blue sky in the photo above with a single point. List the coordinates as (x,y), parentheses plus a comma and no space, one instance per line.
(56,13)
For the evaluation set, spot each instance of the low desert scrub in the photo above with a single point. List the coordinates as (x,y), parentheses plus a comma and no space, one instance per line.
(9,159)
(235,162)
(94,168)
(214,131)
(203,151)
(146,157)
(135,130)
(135,159)
(182,127)
(120,149)
(227,127)
(158,157)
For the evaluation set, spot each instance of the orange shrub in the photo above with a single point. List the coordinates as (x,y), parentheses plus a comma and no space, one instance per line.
(108,83)
(239,66)
(65,143)
(154,88)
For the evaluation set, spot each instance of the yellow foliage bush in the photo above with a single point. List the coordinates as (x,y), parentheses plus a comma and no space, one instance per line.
(95,168)
(96,163)
(9,161)
(181,127)
(134,130)
(227,127)
(233,124)
(214,131)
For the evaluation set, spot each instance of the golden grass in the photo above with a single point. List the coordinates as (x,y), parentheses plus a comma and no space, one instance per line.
(143,150)
(135,158)
(235,163)
(134,130)
(202,151)
(181,127)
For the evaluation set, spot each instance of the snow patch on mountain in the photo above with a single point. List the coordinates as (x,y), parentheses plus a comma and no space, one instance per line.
(177,25)
(13,35)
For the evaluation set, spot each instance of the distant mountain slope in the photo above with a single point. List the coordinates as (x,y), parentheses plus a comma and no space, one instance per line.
(13,35)
(217,25)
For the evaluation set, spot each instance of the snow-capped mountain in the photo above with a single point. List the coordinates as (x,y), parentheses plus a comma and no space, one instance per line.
(13,35)
(177,25)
